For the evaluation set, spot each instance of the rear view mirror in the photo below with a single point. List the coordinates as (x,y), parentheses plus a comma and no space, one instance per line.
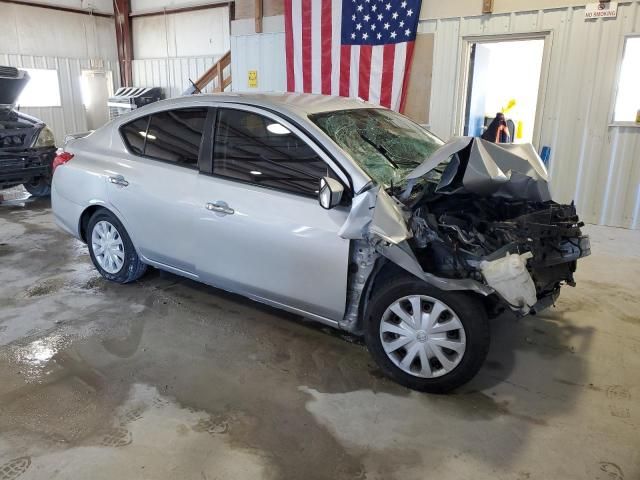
(331,192)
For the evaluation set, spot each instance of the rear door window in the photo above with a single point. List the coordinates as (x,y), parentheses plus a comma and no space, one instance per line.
(171,136)
(134,134)
(255,149)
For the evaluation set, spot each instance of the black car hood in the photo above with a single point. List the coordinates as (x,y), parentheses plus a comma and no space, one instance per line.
(12,82)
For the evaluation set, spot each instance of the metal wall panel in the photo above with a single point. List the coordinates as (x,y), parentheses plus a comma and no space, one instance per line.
(70,117)
(264,53)
(593,163)
(172,74)
(188,34)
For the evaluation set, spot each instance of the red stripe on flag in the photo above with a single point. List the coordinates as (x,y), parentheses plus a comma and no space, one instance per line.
(364,71)
(325,46)
(288,28)
(345,69)
(306,47)
(388,57)
(407,70)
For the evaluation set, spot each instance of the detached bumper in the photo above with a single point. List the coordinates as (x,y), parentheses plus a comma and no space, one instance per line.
(21,166)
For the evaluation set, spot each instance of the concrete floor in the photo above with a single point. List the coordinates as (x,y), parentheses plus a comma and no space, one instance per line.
(170,379)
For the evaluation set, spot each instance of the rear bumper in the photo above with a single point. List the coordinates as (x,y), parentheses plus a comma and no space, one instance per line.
(65,212)
(22,166)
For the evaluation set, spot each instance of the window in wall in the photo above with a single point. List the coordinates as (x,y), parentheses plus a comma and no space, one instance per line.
(43,89)
(175,135)
(628,98)
(256,149)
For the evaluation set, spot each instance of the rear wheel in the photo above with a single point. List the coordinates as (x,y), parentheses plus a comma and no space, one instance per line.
(425,338)
(111,249)
(38,187)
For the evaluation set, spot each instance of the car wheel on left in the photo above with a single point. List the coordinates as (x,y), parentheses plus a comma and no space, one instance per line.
(39,187)
(111,249)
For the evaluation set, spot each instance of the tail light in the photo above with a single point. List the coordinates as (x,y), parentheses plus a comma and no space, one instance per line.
(61,159)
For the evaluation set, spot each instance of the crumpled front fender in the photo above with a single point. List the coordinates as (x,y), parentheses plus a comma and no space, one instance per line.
(377,218)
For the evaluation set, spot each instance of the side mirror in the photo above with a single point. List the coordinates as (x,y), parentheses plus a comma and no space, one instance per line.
(331,191)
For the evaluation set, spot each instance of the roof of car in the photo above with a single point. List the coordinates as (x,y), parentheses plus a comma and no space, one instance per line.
(296,103)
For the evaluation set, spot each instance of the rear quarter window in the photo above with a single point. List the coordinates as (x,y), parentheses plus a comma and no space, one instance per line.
(172,136)
(134,134)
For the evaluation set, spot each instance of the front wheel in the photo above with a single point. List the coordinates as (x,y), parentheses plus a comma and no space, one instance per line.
(39,187)
(424,338)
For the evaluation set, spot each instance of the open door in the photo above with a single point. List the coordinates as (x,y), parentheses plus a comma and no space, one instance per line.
(97,87)
(504,76)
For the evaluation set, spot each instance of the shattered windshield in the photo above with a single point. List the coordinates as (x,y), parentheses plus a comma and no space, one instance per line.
(386,145)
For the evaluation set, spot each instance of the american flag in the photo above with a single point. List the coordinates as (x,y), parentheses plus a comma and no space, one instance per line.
(352,48)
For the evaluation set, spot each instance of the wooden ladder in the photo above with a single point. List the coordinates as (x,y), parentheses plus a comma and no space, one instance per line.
(216,74)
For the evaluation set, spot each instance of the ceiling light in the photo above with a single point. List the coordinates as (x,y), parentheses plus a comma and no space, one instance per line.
(277,129)
(255,172)
(147,135)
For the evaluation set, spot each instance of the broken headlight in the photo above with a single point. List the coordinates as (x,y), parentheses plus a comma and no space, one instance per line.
(45,139)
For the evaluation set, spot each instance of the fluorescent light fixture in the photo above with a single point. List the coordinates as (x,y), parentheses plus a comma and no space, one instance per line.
(255,172)
(147,135)
(277,129)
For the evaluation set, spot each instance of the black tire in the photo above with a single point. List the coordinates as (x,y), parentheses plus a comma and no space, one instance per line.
(471,313)
(132,268)
(39,187)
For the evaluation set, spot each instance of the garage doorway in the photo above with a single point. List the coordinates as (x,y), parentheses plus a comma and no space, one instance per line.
(96,87)
(505,75)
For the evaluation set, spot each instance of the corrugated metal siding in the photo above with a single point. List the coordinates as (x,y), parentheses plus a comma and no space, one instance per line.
(264,53)
(172,74)
(70,117)
(593,163)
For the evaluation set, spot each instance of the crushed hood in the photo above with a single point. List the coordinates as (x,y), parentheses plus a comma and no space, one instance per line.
(513,171)
(12,82)
(475,166)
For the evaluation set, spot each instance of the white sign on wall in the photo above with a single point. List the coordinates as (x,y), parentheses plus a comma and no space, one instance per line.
(602,10)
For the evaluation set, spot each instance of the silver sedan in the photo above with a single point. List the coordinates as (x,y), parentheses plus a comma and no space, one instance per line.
(334,209)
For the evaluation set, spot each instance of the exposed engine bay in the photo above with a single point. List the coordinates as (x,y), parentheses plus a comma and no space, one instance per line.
(474,216)
(458,237)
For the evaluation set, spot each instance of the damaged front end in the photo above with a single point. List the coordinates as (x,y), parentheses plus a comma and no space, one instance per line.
(474,216)
(27,145)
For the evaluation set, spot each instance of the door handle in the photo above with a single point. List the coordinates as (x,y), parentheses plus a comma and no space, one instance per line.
(220,207)
(119,180)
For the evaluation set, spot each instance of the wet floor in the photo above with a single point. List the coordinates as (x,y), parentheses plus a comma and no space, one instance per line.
(167,378)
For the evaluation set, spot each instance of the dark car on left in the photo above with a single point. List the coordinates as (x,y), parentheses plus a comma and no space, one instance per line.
(27,145)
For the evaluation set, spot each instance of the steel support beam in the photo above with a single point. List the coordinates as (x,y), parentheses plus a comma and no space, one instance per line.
(124,40)
(167,11)
(60,9)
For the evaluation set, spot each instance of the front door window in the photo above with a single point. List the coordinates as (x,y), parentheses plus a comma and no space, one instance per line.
(258,150)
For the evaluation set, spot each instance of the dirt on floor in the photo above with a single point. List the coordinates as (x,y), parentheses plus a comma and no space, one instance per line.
(168,378)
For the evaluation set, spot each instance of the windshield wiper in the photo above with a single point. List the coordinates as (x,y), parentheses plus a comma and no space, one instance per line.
(383,151)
